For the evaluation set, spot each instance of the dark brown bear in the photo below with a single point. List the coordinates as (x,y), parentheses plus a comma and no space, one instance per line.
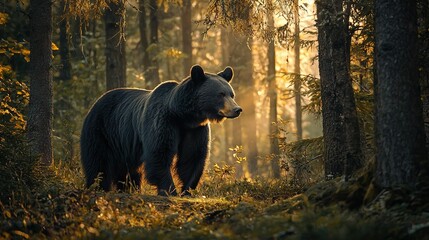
(128,130)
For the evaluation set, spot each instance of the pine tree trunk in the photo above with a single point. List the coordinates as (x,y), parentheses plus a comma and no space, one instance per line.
(187,35)
(340,120)
(423,22)
(272,94)
(77,48)
(40,107)
(144,43)
(227,125)
(354,160)
(65,72)
(154,67)
(297,71)
(249,112)
(333,129)
(400,136)
(236,59)
(115,45)
(63,106)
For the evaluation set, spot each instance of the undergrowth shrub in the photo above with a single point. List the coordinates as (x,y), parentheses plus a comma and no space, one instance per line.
(16,164)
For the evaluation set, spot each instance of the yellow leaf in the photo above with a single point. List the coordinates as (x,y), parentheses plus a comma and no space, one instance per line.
(7,213)
(3,18)
(54,47)
(4,112)
(21,234)
(25,52)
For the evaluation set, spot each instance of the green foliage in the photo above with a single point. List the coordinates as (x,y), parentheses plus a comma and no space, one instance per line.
(304,161)
(15,164)
(14,97)
(258,189)
(12,48)
(72,100)
(238,14)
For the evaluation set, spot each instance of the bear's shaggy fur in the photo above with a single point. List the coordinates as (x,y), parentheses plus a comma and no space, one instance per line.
(128,130)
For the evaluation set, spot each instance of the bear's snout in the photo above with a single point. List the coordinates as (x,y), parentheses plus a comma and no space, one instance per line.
(232,113)
(237,110)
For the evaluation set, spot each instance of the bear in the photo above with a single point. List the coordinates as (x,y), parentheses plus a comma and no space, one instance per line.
(131,134)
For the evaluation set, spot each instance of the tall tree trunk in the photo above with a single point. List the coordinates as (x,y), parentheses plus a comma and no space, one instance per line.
(63,106)
(249,116)
(154,67)
(114,18)
(423,23)
(237,59)
(144,43)
(338,109)
(354,158)
(297,71)
(400,133)
(40,107)
(77,48)
(272,94)
(227,125)
(187,35)
(333,129)
(65,72)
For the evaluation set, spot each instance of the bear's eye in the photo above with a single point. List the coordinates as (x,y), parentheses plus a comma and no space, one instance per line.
(222,94)
(232,95)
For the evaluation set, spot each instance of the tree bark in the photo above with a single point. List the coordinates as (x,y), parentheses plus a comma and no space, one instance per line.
(297,71)
(248,91)
(236,59)
(77,48)
(227,125)
(144,43)
(333,129)
(65,72)
(187,35)
(272,94)
(340,120)
(248,104)
(400,136)
(114,18)
(62,108)
(354,157)
(154,67)
(40,107)
(423,23)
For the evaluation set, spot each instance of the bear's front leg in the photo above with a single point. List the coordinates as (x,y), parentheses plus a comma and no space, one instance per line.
(157,170)
(192,155)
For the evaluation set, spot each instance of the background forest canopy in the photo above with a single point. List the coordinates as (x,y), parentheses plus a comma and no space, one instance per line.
(159,45)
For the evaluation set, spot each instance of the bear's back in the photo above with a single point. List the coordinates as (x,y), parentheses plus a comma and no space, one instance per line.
(163,90)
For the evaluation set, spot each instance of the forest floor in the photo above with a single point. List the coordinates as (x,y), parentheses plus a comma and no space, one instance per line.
(222,208)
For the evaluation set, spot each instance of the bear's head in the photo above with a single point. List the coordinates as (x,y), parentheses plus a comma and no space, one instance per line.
(214,94)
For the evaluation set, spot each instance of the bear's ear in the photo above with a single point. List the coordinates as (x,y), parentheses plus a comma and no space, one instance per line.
(227,74)
(197,73)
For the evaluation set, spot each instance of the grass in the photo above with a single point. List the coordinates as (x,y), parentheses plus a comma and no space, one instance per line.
(222,208)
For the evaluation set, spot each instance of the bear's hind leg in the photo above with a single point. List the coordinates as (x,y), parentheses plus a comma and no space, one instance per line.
(106,178)
(96,162)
